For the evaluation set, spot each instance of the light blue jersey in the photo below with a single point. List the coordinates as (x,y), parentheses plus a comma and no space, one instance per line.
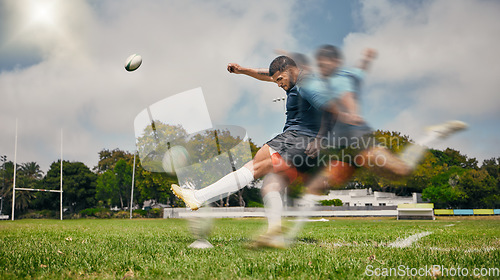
(317,91)
(320,92)
(344,81)
(347,80)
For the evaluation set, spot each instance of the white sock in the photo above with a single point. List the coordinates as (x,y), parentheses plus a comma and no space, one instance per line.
(430,137)
(307,202)
(412,155)
(273,209)
(228,184)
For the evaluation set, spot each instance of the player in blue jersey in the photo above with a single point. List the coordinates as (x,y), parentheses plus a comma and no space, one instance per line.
(307,98)
(349,141)
(341,88)
(284,154)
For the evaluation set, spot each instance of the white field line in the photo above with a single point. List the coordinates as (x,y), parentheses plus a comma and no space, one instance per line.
(345,244)
(399,243)
(407,242)
(403,243)
(473,250)
(310,220)
(368,244)
(450,225)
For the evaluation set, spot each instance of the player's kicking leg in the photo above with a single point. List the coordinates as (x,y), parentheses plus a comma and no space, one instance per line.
(232,182)
(386,164)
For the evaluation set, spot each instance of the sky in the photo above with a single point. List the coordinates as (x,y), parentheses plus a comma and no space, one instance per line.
(61,67)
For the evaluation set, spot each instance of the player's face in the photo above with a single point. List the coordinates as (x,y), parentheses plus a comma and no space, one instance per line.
(327,66)
(284,79)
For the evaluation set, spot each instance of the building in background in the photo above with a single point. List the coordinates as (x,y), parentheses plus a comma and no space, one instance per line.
(367,197)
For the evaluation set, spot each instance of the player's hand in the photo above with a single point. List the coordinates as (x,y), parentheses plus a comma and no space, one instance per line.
(281,52)
(353,119)
(234,68)
(370,54)
(313,148)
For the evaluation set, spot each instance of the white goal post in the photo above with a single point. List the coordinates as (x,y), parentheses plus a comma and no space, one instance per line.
(60,191)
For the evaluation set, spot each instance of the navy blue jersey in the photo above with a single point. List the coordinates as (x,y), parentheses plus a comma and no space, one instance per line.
(301,116)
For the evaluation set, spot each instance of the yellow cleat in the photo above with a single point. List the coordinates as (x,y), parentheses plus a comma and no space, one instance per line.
(274,238)
(187,195)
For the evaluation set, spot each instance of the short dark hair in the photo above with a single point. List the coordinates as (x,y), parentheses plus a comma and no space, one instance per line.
(280,64)
(300,59)
(328,51)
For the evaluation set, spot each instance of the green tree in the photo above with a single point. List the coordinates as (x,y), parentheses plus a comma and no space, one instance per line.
(492,166)
(31,170)
(8,181)
(205,150)
(364,178)
(331,202)
(443,189)
(108,159)
(27,176)
(105,188)
(155,141)
(421,178)
(480,189)
(452,157)
(79,184)
(113,186)
(392,140)
(207,146)
(156,186)
(24,198)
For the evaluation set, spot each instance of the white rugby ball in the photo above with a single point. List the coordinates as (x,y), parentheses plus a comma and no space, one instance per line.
(133,62)
(175,158)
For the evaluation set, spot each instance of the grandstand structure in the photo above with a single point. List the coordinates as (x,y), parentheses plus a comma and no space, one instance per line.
(367,197)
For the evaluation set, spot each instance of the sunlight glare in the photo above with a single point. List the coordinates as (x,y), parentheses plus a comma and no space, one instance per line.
(42,12)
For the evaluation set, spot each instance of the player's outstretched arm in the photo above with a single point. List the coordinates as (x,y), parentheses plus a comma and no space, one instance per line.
(349,102)
(342,116)
(369,55)
(261,74)
(348,98)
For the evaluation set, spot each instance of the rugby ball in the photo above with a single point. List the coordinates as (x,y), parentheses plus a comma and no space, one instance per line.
(133,62)
(175,158)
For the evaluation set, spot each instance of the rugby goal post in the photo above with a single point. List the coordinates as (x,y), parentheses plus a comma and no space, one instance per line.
(60,191)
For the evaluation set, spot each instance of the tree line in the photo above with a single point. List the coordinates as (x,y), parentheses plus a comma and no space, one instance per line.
(104,186)
(446,178)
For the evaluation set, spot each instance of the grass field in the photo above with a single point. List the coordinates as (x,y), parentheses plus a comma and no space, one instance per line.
(341,248)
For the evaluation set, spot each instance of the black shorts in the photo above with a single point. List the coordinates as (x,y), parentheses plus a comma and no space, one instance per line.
(359,137)
(291,145)
(348,147)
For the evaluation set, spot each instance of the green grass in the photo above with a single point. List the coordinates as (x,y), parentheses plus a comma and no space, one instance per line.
(157,249)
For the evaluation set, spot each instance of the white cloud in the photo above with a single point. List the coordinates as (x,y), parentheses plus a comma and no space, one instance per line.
(80,84)
(437,61)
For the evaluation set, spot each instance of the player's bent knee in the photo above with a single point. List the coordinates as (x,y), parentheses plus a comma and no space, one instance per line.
(374,157)
(403,171)
(339,173)
(281,166)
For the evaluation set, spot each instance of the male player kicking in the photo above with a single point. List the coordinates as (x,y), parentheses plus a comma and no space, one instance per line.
(284,154)
(340,88)
(263,160)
